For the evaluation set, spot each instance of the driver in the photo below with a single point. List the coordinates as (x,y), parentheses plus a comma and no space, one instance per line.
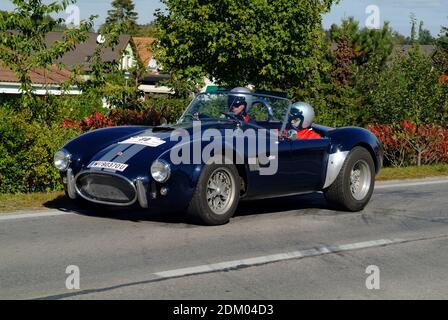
(239,107)
(301,118)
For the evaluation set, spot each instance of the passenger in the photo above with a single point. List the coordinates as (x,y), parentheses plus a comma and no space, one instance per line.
(301,118)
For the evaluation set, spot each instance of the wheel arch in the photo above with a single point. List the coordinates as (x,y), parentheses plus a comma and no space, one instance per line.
(242,168)
(343,141)
(348,138)
(369,148)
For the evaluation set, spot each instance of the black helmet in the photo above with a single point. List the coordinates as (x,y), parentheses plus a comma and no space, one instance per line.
(237,102)
(237,97)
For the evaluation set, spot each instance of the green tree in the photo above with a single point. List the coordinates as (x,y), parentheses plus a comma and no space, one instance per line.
(106,80)
(24,49)
(270,44)
(365,42)
(123,12)
(424,35)
(407,89)
(399,39)
(441,55)
(443,39)
(145,30)
(348,30)
(339,102)
(413,28)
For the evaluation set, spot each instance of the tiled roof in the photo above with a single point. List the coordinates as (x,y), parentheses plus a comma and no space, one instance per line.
(84,51)
(428,50)
(142,45)
(39,76)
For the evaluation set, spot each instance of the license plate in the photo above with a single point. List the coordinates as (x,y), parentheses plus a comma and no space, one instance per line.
(108,165)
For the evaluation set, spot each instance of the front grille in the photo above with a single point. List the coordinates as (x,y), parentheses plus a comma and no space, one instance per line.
(106,188)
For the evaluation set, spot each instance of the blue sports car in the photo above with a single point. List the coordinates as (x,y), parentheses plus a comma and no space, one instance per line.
(213,157)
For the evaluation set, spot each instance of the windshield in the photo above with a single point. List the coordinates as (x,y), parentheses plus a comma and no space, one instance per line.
(262,109)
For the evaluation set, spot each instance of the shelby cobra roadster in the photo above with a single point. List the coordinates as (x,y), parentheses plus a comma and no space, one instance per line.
(213,157)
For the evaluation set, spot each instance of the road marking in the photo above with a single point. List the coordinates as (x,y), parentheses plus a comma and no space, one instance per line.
(223,266)
(411,184)
(34,215)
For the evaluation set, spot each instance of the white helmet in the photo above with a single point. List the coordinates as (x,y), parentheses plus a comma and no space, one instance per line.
(301,115)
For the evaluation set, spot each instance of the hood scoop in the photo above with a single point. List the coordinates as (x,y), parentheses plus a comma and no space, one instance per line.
(163,129)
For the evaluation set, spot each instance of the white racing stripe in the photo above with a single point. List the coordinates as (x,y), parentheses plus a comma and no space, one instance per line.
(34,215)
(223,266)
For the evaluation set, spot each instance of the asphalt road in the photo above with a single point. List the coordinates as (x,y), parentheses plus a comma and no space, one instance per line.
(289,248)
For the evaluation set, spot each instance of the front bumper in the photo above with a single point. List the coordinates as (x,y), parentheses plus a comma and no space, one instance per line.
(94,193)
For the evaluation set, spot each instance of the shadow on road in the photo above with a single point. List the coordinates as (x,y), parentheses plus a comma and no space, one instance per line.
(294,203)
(303,204)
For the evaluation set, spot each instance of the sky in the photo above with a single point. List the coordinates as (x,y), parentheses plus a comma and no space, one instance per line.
(433,12)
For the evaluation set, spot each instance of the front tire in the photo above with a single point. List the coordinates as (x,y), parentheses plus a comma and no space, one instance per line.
(355,183)
(217,195)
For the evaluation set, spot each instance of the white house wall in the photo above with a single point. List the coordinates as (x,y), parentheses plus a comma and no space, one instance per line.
(14,88)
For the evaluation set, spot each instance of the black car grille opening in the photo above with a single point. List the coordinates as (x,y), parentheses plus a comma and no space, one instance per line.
(106,188)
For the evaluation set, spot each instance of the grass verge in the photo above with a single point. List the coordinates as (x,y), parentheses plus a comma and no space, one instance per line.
(41,201)
(29,201)
(413,172)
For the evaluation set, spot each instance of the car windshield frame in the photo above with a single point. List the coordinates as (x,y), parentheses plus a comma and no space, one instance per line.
(256,96)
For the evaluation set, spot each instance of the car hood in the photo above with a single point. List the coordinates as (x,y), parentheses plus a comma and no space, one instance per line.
(139,150)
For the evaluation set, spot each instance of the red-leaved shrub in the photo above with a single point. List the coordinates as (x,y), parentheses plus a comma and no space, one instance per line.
(409,144)
(116,117)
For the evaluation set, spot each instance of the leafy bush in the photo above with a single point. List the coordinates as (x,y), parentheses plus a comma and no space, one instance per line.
(26,153)
(29,139)
(116,91)
(80,106)
(364,42)
(367,84)
(338,102)
(170,108)
(52,109)
(408,88)
(116,117)
(158,110)
(410,144)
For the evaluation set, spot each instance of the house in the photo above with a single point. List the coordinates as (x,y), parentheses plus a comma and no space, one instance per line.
(150,82)
(82,55)
(428,50)
(144,53)
(45,81)
(50,81)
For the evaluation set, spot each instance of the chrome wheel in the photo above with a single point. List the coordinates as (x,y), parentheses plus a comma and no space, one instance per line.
(220,191)
(360,180)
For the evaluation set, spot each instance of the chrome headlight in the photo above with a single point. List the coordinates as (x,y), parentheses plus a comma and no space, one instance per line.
(160,170)
(62,160)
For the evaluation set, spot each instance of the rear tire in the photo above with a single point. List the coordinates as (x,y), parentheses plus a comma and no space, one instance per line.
(354,185)
(217,195)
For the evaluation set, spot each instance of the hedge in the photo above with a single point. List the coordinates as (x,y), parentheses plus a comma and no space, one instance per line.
(26,153)
(28,143)
(407,143)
